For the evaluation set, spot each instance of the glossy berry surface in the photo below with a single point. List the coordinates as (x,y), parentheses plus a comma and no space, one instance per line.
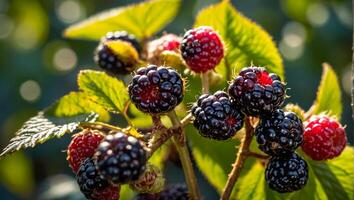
(324,138)
(202,49)
(280,133)
(216,117)
(256,91)
(92,185)
(124,36)
(83,145)
(156,89)
(120,158)
(286,173)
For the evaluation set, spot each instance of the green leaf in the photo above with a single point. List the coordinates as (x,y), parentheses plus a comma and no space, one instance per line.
(246,42)
(328,94)
(103,89)
(124,50)
(43,127)
(126,192)
(143,20)
(77,103)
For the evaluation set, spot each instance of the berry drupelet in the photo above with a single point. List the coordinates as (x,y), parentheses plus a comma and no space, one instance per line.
(202,49)
(324,138)
(82,146)
(216,117)
(92,185)
(256,91)
(156,90)
(120,158)
(280,133)
(175,192)
(286,173)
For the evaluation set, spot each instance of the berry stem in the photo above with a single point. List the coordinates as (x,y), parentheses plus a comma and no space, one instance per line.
(125,113)
(257,155)
(100,126)
(185,159)
(205,82)
(240,160)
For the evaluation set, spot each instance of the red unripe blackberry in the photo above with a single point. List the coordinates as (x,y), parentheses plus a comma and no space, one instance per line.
(92,185)
(168,42)
(120,158)
(286,173)
(256,91)
(82,146)
(202,49)
(279,133)
(324,138)
(216,117)
(156,90)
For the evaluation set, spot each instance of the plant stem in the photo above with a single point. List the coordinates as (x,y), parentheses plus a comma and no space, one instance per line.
(240,160)
(125,113)
(184,156)
(205,82)
(257,155)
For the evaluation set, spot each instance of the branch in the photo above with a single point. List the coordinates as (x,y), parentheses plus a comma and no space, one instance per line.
(256,155)
(205,82)
(240,160)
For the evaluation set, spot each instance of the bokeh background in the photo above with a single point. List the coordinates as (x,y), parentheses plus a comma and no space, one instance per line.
(38,66)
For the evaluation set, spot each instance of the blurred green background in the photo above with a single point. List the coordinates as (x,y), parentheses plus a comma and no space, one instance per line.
(37,66)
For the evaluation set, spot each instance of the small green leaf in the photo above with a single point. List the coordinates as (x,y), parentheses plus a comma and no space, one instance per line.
(103,89)
(245,41)
(124,50)
(143,20)
(328,94)
(43,127)
(77,103)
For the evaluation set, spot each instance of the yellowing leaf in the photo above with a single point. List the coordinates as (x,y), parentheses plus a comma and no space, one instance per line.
(246,42)
(124,50)
(143,20)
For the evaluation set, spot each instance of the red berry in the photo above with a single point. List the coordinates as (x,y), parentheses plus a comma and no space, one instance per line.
(202,49)
(169,42)
(82,146)
(109,193)
(324,138)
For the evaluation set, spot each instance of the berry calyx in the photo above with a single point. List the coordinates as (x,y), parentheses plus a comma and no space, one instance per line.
(120,158)
(216,117)
(324,138)
(202,49)
(92,185)
(286,173)
(151,181)
(156,89)
(280,133)
(83,145)
(256,91)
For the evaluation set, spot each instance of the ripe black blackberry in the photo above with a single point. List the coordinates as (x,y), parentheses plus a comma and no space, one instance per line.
(286,173)
(108,61)
(280,133)
(256,91)
(175,192)
(156,89)
(120,158)
(216,117)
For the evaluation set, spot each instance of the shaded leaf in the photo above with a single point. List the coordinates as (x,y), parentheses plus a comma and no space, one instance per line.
(246,42)
(103,89)
(143,20)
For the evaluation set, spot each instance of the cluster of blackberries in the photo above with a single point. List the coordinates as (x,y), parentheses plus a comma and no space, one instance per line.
(102,163)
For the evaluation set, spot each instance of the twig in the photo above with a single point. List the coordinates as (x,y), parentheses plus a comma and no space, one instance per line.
(106,128)
(186,120)
(125,113)
(159,139)
(205,82)
(240,160)
(185,160)
(257,155)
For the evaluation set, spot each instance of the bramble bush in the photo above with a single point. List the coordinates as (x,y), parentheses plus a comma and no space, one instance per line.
(196,94)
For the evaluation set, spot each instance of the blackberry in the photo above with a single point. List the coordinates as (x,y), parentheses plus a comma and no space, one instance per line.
(256,91)
(156,90)
(324,138)
(82,146)
(202,49)
(120,158)
(280,133)
(216,117)
(286,173)
(148,196)
(92,185)
(175,192)
(106,58)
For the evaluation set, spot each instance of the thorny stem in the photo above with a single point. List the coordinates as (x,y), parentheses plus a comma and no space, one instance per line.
(185,160)
(125,113)
(240,160)
(205,82)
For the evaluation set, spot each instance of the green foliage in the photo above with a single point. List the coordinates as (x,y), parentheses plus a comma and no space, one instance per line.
(43,127)
(105,90)
(143,20)
(246,42)
(328,94)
